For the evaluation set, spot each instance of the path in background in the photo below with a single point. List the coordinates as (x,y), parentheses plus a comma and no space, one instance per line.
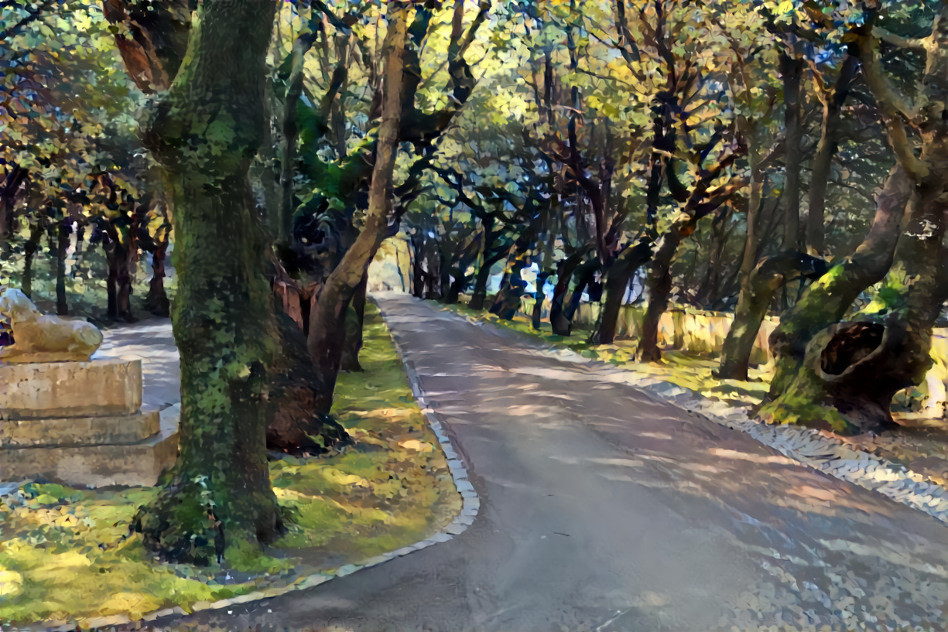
(152,342)
(604,509)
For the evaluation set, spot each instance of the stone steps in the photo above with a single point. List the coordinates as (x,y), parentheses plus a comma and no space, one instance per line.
(127,464)
(80,423)
(66,432)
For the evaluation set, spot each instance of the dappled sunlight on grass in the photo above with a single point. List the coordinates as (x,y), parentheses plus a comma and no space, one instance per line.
(67,554)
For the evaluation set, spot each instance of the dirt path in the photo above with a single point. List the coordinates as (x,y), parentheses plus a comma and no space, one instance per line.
(603,509)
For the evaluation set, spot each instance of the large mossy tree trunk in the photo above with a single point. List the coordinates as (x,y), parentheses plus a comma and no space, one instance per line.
(327,320)
(205,131)
(828,299)
(850,371)
(153,39)
(768,276)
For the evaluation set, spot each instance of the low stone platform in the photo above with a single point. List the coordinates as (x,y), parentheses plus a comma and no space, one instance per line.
(78,431)
(80,423)
(137,463)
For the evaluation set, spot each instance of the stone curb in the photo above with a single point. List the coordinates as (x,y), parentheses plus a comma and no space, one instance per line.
(809,447)
(470,506)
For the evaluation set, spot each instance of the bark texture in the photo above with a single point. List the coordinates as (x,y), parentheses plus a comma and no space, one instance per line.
(205,131)
(770,275)
(327,320)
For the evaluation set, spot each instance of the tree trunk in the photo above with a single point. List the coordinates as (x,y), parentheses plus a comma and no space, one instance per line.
(327,321)
(204,131)
(617,284)
(8,192)
(851,370)
(29,253)
(507,302)
(825,151)
(355,318)
(564,272)
(62,246)
(538,298)
(756,293)
(295,426)
(827,300)
(659,283)
(123,304)
(111,283)
(792,70)
(157,300)
(561,321)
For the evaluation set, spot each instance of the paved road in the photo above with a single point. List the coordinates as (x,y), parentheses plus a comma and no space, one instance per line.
(603,509)
(152,342)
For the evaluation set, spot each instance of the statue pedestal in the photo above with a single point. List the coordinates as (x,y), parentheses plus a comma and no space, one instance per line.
(81,423)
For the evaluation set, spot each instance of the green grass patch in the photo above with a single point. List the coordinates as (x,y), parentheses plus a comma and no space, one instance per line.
(68,555)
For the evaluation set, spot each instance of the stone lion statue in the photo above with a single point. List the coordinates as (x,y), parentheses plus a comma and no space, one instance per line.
(44,338)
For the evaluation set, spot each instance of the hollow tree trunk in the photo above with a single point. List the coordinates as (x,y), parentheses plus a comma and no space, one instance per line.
(756,294)
(355,317)
(327,321)
(827,300)
(62,246)
(851,370)
(204,131)
(659,283)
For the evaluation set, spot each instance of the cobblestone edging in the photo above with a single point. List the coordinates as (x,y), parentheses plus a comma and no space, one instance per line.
(469,509)
(805,445)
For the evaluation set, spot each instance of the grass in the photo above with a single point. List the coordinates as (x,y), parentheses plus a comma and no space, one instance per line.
(66,555)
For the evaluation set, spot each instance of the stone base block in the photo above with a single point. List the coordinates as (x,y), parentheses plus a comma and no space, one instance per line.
(78,431)
(96,466)
(70,389)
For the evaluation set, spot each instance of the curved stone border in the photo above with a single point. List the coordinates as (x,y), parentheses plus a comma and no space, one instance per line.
(810,447)
(470,505)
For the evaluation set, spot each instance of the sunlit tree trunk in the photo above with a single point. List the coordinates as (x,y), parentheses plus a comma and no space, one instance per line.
(327,321)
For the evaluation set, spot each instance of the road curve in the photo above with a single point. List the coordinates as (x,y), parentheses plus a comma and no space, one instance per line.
(604,509)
